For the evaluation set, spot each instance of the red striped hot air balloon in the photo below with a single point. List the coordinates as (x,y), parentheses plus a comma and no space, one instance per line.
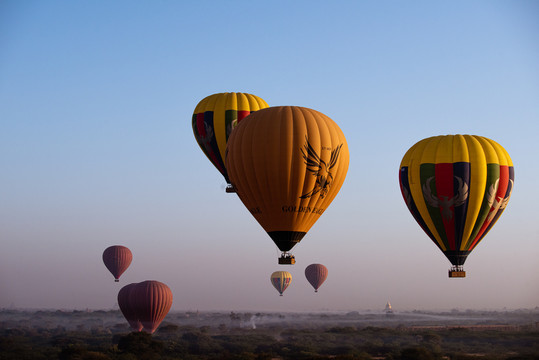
(151,301)
(281,280)
(125,299)
(316,274)
(287,164)
(215,117)
(117,259)
(456,187)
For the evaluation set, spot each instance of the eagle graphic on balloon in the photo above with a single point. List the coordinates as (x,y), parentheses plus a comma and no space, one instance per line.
(319,168)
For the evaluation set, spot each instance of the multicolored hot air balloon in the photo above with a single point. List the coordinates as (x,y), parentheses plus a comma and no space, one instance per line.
(214,119)
(316,274)
(287,164)
(281,280)
(117,259)
(125,303)
(151,301)
(456,187)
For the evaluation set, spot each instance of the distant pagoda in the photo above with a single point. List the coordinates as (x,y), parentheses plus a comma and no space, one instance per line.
(388,308)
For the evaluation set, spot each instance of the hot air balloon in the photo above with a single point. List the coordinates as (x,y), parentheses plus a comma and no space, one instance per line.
(281,280)
(151,301)
(456,187)
(124,302)
(287,164)
(316,274)
(117,259)
(214,119)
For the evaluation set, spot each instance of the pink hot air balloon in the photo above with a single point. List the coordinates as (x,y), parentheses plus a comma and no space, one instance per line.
(316,274)
(117,259)
(125,299)
(151,301)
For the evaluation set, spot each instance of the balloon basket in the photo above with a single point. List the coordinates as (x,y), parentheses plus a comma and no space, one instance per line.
(457,273)
(230,189)
(287,260)
(116,280)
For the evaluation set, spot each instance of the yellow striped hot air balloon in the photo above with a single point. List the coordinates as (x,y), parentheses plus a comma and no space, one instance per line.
(287,164)
(456,187)
(215,117)
(281,280)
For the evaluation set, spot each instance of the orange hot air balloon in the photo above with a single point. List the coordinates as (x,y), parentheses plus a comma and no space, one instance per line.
(287,164)
(151,301)
(213,120)
(125,298)
(281,280)
(316,274)
(117,259)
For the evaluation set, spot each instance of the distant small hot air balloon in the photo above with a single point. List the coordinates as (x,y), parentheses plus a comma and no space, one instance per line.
(125,298)
(117,259)
(151,302)
(213,120)
(456,187)
(280,280)
(287,164)
(316,274)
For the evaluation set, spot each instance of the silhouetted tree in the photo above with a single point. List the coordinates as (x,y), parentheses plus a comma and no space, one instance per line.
(141,344)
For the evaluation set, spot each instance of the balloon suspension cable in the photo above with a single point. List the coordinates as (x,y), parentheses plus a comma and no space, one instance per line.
(457,271)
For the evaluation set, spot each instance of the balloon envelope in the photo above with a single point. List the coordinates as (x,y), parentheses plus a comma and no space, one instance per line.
(287,164)
(215,117)
(126,307)
(117,259)
(281,280)
(456,187)
(316,274)
(151,301)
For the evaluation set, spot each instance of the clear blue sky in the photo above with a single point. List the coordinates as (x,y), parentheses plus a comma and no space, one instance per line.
(96,147)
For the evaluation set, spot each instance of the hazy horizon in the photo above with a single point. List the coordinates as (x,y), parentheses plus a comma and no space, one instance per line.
(97,149)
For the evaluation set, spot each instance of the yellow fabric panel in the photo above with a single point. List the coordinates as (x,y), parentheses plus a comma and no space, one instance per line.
(460,149)
(491,154)
(423,152)
(221,104)
(478,180)
(206,104)
(444,150)
(503,156)
(429,154)
(281,275)
(412,156)
(248,102)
